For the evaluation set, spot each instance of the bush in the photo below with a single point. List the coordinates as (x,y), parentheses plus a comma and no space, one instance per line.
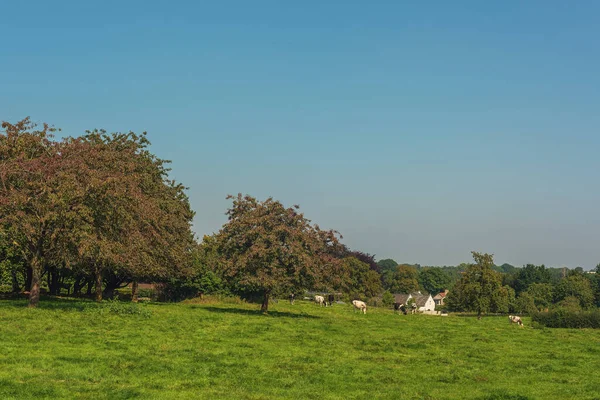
(387,299)
(563,318)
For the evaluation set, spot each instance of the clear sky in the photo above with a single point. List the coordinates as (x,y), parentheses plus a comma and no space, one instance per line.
(419,130)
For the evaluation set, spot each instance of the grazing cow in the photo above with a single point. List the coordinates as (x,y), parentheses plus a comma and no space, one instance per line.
(413,308)
(292,298)
(330,299)
(398,307)
(515,319)
(360,305)
(320,300)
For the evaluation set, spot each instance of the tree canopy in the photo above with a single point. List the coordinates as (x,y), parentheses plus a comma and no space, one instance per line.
(269,249)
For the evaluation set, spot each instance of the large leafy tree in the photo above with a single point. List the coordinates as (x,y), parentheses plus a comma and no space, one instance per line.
(405,279)
(139,220)
(434,280)
(362,282)
(270,249)
(575,286)
(480,288)
(39,197)
(531,274)
(100,204)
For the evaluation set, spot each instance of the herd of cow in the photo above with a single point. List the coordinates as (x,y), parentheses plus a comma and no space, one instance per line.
(362,306)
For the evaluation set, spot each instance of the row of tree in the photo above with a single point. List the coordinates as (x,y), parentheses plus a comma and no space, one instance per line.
(99,209)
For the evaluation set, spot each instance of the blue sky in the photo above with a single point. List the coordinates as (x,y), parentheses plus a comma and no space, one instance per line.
(419,131)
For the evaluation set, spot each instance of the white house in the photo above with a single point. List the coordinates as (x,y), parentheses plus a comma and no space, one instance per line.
(424,302)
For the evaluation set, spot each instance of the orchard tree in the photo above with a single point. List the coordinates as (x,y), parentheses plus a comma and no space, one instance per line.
(268,249)
(39,197)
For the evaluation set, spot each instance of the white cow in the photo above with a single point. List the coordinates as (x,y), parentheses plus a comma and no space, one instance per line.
(320,300)
(360,305)
(515,319)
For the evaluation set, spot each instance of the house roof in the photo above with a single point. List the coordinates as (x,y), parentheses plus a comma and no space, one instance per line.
(401,298)
(420,299)
(440,295)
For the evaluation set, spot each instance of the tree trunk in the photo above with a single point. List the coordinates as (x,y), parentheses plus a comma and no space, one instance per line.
(134,292)
(28,277)
(15,282)
(53,281)
(98,284)
(77,286)
(265,305)
(34,291)
(90,285)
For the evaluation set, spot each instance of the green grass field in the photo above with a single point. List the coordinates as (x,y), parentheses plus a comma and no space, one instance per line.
(71,350)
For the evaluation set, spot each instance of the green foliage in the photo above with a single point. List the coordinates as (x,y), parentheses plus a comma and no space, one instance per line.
(566,318)
(541,293)
(480,288)
(434,280)
(387,265)
(405,279)
(577,286)
(531,274)
(362,282)
(525,304)
(387,299)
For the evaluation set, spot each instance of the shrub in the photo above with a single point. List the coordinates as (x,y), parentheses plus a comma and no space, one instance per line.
(387,299)
(564,318)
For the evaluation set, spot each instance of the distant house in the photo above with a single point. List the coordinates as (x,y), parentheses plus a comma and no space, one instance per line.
(424,302)
(440,297)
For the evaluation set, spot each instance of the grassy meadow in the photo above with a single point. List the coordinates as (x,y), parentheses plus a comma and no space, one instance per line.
(73,349)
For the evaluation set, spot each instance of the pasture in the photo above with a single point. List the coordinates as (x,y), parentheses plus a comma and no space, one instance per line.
(75,349)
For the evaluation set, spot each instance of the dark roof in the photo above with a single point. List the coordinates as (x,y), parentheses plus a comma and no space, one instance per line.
(401,298)
(420,299)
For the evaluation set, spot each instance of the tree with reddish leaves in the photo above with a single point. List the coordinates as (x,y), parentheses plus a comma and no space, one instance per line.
(100,204)
(270,249)
(39,196)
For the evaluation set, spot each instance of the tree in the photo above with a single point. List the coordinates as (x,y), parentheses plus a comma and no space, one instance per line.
(577,286)
(480,288)
(403,280)
(387,265)
(541,294)
(531,274)
(39,197)
(268,249)
(434,280)
(387,299)
(361,281)
(525,303)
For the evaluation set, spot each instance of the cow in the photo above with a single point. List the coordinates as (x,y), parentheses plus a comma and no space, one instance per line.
(320,300)
(515,319)
(292,298)
(330,299)
(398,307)
(360,305)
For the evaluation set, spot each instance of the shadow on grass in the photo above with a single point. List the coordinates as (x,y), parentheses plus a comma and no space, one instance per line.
(241,311)
(51,303)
